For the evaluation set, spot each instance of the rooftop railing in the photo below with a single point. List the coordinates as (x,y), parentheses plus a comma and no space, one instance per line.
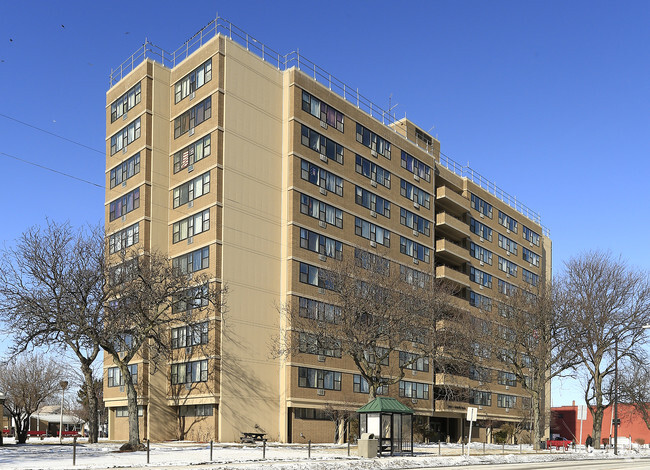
(294,59)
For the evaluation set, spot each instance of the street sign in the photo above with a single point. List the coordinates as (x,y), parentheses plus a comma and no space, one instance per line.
(472,413)
(582,412)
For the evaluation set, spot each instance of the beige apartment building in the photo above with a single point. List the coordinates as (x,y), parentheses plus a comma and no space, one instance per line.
(261,170)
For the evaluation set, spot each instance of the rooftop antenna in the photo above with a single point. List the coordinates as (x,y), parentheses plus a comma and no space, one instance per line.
(391,106)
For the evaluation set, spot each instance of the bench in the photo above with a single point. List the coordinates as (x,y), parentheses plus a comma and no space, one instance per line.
(252,437)
(69,434)
(40,434)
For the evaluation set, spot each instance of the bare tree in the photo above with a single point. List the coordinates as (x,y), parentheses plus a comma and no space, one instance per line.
(607,304)
(51,293)
(634,386)
(28,381)
(380,309)
(533,345)
(147,296)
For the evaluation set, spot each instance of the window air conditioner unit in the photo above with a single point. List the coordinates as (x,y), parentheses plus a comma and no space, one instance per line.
(123,218)
(322,257)
(323,158)
(414,372)
(121,388)
(124,149)
(416,205)
(507,230)
(323,124)
(373,244)
(373,214)
(322,224)
(507,253)
(188,350)
(321,358)
(190,240)
(191,131)
(507,387)
(481,215)
(192,95)
(414,400)
(188,386)
(123,184)
(416,177)
(373,183)
(416,233)
(481,263)
(321,392)
(373,153)
(480,239)
(124,116)
(190,168)
(531,243)
(416,261)
(190,204)
(480,287)
(323,191)
(321,290)
(507,410)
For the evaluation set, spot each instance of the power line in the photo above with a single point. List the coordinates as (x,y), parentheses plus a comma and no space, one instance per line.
(52,170)
(52,134)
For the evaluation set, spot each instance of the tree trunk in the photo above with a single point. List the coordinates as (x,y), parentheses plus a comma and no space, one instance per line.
(598,423)
(537,427)
(21,429)
(132,405)
(93,405)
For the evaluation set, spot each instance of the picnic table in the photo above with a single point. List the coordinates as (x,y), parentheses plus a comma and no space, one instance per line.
(252,437)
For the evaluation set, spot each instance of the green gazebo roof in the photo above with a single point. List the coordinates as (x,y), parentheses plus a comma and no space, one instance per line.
(385,405)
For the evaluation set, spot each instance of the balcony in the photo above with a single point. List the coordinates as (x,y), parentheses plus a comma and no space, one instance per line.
(445,272)
(451,251)
(450,225)
(451,201)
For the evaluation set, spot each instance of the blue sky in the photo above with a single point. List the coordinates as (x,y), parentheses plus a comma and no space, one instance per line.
(549,99)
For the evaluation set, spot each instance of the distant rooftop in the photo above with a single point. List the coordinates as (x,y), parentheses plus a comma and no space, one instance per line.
(294,59)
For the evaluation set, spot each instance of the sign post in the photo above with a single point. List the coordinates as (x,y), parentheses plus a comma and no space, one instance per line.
(582,416)
(472,413)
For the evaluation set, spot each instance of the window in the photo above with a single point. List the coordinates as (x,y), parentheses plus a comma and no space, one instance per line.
(414,193)
(371,261)
(373,141)
(478,397)
(480,350)
(320,244)
(191,190)
(193,117)
(526,361)
(377,352)
(413,390)
(314,276)
(192,153)
(124,238)
(190,372)
(482,206)
(509,245)
(371,232)
(480,301)
(507,334)
(311,344)
(126,136)
(373,202)
(322,111)
(319,177)
(531,257)
(414,277)
(413,249)
(321,144)
(123,272)
(125,102)
(196,410)
(360,385)
(415,166)
(194,297)
(316,310)
(123,411)
(190,335)
(125,170)
(480,374)
(115,378)
(480,229)
(530,277)
(124,204)
(193,80)
(508,222)
(321,211)
(193,225)
(412,361)
(508,266)
(531,236)
(311,413)
(317,378)
(506,288)
(507,378)
(480,277)
(372,171)
(193,261)
(123,342)
(414,221)
(506,401)
(480,253)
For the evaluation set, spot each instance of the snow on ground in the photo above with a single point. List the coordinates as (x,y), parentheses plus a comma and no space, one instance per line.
(48,454)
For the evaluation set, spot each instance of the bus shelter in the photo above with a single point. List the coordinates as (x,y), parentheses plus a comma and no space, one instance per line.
(391,422)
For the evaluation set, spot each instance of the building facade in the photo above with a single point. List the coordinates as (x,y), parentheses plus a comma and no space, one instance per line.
(262,170)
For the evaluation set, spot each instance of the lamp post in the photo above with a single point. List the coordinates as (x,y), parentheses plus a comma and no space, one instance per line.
(3,397)
(64,385)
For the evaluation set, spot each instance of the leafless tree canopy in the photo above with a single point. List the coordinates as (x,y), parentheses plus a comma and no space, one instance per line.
(28,381)
(51,294)
(377,310)
(607,302)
